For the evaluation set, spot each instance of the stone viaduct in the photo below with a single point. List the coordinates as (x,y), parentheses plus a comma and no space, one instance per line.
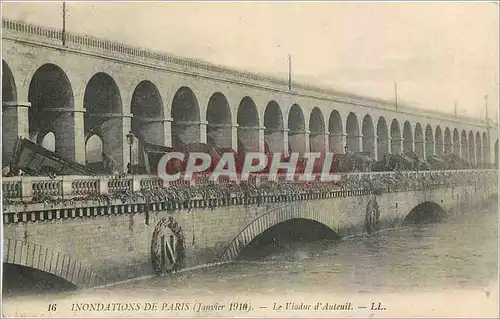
(87,94)
(91,242)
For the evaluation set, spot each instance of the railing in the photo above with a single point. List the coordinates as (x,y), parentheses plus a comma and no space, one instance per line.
(84,41)
(67,187)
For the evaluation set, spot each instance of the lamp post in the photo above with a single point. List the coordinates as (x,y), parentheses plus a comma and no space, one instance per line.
(130,140)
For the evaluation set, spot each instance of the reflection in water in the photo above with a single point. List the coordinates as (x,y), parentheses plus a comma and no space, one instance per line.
(459,253)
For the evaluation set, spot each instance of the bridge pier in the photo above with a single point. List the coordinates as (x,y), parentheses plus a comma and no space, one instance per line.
(383,143)
(114,140)
(69,131)
(318,142)
(369,145)
(429,149)
(337,143)
(420,148)
(15,124)
(396,145)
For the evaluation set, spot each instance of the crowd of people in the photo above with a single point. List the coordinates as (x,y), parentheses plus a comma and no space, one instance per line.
(375,183)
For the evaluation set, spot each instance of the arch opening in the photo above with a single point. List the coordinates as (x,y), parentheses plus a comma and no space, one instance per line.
(429,141)
(9,90)
(472,149)
(296,132)
(147,120)
(317,128)
(419,141)
(248,126)
(48,141)
(368,136)
(273,123)
(102,101)
(280,239)
(383,138)
(395,137)
(407,137)
(336,130)
(456,142)
(439,141)
(219,129)
(185,114)
(19,280)
(447,141)
(93,150)
(426,212)
(352,131)
(49,92)
(465,146)
(479,150)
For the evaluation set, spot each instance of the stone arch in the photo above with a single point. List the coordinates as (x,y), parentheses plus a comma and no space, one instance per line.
(425,212)
(27,254)
(9,88)
(352,131)
(268,220)
(273,123)
(395,137)
(382,138)
(429,141)
(185,114)
(465,146)
(447,141)
(296,130)
(48,141)
(479,149)
(317,131)
(368,135)
(248,125)
(419,141)
(407,137)
(49,93)
(439,141)
(102,95)
(147,119)
(336,130)
(103,104)
(456,142)
(93,149)
(472,148)
(219,128)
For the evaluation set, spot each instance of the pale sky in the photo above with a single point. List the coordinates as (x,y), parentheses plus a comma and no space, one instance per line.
(437,52)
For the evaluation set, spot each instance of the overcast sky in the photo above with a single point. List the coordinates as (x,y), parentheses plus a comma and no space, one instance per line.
(437,52)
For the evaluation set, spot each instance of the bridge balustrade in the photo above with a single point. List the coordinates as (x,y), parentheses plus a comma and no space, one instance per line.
(67,187)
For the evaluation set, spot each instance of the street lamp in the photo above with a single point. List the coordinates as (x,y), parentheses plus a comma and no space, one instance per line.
(130,140)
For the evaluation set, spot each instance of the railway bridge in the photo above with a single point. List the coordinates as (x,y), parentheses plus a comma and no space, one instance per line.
(82,98)
(95,230)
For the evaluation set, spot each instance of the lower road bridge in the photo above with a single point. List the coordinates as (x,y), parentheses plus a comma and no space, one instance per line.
(95,230)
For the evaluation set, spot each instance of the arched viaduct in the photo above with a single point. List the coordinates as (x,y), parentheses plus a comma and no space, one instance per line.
(87,95)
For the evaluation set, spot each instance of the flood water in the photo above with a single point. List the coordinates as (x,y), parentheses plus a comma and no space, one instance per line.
(458,253)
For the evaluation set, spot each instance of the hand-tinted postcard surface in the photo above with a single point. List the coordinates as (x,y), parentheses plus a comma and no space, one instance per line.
(249,159)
